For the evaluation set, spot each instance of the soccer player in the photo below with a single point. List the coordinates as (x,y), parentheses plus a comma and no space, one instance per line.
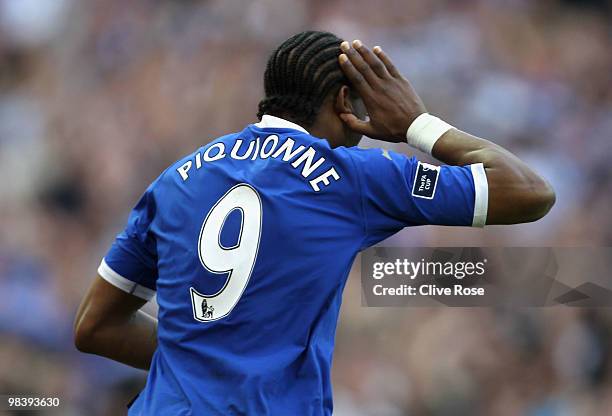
(248,241)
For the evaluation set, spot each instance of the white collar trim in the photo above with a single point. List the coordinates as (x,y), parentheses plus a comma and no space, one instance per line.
(268,121)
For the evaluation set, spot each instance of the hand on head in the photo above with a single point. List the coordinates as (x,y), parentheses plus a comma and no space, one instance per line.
(391,101)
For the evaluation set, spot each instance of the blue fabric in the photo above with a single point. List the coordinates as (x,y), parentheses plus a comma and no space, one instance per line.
(272,353)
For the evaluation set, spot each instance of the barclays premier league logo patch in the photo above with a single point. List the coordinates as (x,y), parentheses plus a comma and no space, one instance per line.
(425,181)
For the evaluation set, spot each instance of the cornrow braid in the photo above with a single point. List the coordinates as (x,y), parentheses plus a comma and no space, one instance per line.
(299,74)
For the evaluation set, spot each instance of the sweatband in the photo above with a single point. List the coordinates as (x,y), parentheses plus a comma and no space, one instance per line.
(425,131)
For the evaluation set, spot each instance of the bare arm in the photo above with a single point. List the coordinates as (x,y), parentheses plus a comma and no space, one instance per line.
(516,193)
(109,323)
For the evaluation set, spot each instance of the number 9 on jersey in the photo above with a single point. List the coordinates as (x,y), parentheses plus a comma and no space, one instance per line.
(238,260)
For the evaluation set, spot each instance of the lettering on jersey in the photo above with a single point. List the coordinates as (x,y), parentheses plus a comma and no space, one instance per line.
(214,152)
(324,178)
(305,160)
(256,153)
(287,148)
(236,148)
(273,140)
(425,181)
(184,169)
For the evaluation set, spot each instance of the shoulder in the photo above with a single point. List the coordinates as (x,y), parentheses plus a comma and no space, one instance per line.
(372,157)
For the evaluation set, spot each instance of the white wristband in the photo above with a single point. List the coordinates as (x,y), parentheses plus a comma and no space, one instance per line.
(425,131)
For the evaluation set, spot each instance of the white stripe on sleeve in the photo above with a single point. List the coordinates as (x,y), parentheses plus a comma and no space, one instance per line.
(114,278)
(481,198)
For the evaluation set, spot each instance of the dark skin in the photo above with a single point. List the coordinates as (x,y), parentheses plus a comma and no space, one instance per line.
(330,125)
(109,321)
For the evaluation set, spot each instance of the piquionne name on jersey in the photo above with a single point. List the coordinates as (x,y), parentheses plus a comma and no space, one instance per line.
(305,159)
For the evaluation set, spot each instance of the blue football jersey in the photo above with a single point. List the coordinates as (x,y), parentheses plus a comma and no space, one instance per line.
(247,244)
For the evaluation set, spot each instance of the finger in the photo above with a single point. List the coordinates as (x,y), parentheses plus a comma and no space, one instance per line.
(387,61)
(361,65)
(356,125)
(357,80)
(375,63)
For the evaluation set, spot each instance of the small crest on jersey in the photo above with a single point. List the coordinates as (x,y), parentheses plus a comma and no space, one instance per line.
(425,181)
(207,310)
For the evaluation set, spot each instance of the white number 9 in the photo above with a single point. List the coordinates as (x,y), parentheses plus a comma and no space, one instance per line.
(238,260)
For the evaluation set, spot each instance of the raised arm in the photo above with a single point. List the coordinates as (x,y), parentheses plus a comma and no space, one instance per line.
(516,193)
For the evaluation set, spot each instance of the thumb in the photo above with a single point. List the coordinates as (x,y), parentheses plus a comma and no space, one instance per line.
(357,125)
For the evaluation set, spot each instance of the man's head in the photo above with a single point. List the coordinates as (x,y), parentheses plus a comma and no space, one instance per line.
(304,83)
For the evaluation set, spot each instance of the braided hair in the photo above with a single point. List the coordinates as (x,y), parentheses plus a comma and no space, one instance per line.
(300,73)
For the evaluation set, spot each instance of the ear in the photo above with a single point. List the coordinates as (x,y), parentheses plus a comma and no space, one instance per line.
(343,101)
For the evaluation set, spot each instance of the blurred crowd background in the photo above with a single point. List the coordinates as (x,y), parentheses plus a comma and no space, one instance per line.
(97,97)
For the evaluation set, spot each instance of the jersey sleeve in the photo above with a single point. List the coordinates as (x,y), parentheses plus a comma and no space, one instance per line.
(398,191)
(131,262)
